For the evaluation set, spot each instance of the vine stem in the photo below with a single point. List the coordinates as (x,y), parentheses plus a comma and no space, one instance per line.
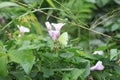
(84,27)
(76,24)
(63,69)
(56,48)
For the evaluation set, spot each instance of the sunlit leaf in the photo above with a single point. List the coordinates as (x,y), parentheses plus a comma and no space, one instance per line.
(66,76)
(102,3)
(3,65)
(66,55)
(51,3)
(86,65)
(76,73)
(25,58)
(117,1)
(92,1)
(117,35)
(114,27)
(113,54)
(7,4)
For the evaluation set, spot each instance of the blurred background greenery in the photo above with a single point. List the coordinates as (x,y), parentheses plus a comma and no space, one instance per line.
(91,23)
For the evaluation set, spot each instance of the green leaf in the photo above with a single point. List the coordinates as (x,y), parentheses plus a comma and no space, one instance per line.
(89,56)
(113,54)
(86,65)
(114,27)
(19,75)
(101,48)
(66,76)
(3,65)
(1,44)
(117,1)
(117,69)
(25,58)
(28,78)
(47,72)
(37,25)
(28,45)
(87,68)
(51,3)
(85,11)
(66,55)
(5,78)
(92,1)
(102,3)
(117,35)
(7,4)
(76,73)
(96,76)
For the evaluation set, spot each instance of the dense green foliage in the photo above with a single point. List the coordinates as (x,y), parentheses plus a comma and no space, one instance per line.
(92,25)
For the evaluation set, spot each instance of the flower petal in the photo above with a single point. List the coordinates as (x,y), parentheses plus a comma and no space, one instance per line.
(57,26)
(23,29)
(48,25)
(98,52)
(54,34)
(98,66)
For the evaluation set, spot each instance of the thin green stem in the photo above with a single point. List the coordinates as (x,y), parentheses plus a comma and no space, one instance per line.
(63,69)
(83,27)
(7,25)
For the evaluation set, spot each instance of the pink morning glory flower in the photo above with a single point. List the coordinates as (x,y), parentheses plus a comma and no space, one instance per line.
(54,29)
(98,52)
(23,29)
(48,25)
(57,26)
(98,66)
(54,34)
